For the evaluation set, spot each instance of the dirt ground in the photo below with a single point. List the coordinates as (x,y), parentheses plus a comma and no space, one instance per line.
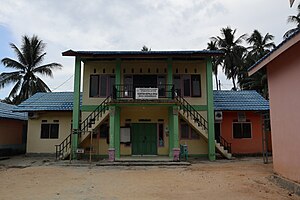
(38,178)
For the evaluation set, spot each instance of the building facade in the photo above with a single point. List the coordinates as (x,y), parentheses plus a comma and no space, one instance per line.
(283,79)
(151,101)
(49,120)
(239,119)
(50,126)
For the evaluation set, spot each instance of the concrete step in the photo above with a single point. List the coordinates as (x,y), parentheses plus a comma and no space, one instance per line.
(144,159)
(140,163)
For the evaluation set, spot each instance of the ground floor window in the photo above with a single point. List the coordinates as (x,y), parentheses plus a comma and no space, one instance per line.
(104,132)
(49,131)
(161,141)
(241,130)
(187,132)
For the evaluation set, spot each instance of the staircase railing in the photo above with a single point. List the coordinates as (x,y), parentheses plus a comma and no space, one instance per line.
(89,120)
(191,111)
(63,147)
(84,126)
(225,144)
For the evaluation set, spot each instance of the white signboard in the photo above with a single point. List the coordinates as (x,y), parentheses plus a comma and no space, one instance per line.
(146,93)
(125,135)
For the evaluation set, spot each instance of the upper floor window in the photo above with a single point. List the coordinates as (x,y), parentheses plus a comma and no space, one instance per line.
(101,85)
(187,85)
(241,129)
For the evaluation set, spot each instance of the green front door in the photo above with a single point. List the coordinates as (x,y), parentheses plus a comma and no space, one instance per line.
(144,139)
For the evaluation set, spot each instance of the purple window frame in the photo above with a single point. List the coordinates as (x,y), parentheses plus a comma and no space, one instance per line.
(108,85)
(189,133)
(181,80)
(158,142)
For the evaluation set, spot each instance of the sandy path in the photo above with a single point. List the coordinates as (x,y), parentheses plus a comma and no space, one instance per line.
(204,180)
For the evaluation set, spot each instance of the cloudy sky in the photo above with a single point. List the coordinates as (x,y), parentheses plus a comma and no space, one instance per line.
(130,24)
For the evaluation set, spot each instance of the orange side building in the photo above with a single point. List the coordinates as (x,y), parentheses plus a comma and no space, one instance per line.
(239,120)
(13,130)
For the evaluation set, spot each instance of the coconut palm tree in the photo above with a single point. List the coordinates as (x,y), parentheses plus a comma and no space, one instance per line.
(233,51)
(295,19)
(27,67)
(216,61)
(260,45)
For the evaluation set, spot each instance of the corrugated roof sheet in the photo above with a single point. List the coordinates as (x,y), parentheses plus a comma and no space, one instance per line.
(51,101)
(6,111)
(239,100)
(273,50)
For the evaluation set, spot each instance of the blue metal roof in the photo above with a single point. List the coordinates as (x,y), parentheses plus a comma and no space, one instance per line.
(6,111)
(143,53)
(50,101)
(273,50)
(239,100)
(223,100)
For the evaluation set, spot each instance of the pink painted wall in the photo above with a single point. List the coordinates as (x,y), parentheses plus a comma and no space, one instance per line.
(243,145)
(284,89)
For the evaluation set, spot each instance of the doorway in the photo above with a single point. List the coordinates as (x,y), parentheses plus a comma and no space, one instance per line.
(144,81)
(217,131)
(144,139)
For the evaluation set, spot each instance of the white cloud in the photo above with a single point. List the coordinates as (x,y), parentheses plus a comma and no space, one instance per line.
(129,24)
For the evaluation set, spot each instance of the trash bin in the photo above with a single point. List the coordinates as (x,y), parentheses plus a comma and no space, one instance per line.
(184,152)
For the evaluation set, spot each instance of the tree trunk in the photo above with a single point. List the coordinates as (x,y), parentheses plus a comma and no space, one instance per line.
(217,84)
(234,85)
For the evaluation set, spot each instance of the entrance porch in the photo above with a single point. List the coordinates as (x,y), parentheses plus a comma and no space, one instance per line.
(137,131)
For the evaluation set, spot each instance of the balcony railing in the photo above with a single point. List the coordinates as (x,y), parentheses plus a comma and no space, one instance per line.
(147,92)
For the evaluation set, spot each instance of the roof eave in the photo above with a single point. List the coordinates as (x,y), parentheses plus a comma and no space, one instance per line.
(274,54)
(237,110)
(139,54)
(70,52)
(31,110)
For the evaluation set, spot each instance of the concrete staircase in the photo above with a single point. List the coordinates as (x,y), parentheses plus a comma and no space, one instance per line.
(93,123)
(94,119)
(198,123)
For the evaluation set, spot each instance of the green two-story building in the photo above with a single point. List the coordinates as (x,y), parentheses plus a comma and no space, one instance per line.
(144,103)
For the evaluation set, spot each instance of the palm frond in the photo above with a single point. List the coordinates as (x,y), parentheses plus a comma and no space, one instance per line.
(27,50)
(15,89)
(19,54)
(38,47)
(43,87)
(268,37)
(293,19)
(47,69)
(290,32)
(38,60)
(10,63)
(9,77)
